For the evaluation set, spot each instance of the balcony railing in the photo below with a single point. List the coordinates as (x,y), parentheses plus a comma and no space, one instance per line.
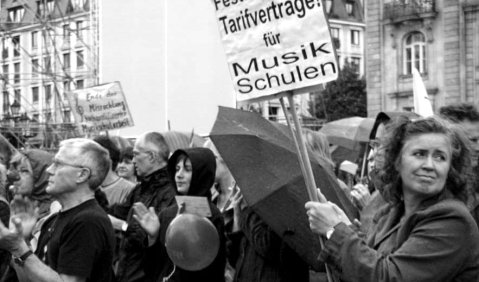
(403,10)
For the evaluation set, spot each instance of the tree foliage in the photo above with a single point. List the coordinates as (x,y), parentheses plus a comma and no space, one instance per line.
(344,97)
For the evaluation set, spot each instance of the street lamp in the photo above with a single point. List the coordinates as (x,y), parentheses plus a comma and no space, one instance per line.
(15,107)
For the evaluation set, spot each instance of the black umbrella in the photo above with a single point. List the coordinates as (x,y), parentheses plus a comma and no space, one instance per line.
(262,158)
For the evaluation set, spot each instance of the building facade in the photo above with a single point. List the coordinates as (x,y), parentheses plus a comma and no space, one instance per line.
(49,47)
(440,38)
(347,27)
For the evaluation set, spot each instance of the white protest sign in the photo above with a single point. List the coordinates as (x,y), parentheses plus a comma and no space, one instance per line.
(194,205)
(275,46)
(100,108)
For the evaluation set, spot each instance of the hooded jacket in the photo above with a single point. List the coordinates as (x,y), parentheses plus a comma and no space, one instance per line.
(203,174)
(40,161)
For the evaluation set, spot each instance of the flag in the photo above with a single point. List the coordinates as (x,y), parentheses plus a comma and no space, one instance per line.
(422,104)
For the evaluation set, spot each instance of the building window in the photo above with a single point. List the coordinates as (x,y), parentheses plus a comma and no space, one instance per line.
(414,53)
(349,8)
(66,61)
(16,76)
(48,37)
(355,37)
(329,5)
(35,94)
(6,75)
(5,50)
(80,59)
(66,33)
(48,94)
(34,40)
(355,64)
(6,102)
(15,15)
(18,96)
(16,46)
(41,9)
(47,64)
(80,84)
(273,113)
(79,30)
(35,68)
(67,116)
(66,89)
(50,6)
(335,37)
(78,5)
(45,8)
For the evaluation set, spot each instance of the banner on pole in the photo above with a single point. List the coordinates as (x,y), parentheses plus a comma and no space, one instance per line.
(100,108)
(275,46)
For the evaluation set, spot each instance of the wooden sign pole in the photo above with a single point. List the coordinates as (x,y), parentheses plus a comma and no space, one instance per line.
(305,164)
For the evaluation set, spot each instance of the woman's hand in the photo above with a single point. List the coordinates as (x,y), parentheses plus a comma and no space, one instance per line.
(238,204)
(360,195)
(324,216)
(26,212)
(148,220)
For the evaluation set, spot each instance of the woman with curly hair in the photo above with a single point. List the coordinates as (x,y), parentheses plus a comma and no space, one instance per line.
(426,232)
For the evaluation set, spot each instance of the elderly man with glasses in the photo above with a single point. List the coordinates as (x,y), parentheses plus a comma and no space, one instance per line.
(150,157)
(77,243)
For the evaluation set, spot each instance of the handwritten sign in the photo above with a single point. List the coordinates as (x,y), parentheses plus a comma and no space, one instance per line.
(275,46)
(100,108)
(194,205)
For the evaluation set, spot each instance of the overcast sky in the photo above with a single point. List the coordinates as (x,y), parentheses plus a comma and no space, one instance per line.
(169,60)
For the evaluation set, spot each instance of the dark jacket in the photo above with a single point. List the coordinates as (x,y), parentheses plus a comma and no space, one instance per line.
(155,190)
(4,255)
(438,242)
(259,254)
(204,166)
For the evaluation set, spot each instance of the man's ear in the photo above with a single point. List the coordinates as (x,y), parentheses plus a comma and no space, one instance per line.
(83,175)
(153,156)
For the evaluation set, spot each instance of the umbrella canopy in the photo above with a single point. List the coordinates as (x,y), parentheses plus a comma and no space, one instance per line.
(348,132)
(262,158)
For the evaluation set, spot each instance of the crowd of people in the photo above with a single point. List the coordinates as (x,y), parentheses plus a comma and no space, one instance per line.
(100,209)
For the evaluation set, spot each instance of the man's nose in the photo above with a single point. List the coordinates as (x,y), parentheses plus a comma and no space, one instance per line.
(13,175)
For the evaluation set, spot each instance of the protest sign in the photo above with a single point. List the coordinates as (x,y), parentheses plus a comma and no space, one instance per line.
(275,46)
(195,205)
(100,108)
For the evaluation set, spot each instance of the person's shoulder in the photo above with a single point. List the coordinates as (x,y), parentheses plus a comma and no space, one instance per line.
(448,209)
(125,185)
(451,206)
(90,211)
(126,182)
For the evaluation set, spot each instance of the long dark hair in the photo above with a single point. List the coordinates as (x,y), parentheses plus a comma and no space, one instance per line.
(400,130)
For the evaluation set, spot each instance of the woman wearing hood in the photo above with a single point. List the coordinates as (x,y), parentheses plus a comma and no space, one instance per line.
(31,202)
(193,172)
(30,180)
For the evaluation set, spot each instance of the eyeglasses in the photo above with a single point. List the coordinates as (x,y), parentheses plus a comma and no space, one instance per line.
(137,153)
(58,163)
